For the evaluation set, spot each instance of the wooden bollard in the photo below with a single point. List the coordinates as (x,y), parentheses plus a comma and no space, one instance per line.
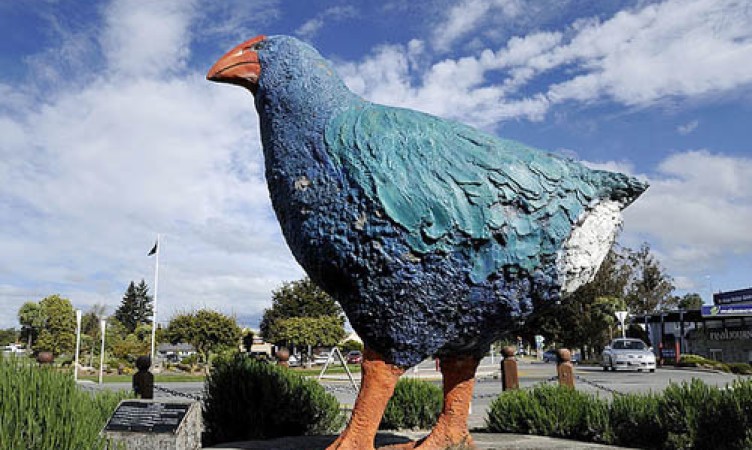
(564,368)
(509,377)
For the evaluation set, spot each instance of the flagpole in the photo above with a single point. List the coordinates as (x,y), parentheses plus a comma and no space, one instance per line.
(154,306)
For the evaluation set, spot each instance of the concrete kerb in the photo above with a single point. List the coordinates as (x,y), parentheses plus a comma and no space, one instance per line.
(482,441)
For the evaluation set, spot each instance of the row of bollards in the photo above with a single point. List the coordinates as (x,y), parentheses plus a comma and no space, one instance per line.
(511,380)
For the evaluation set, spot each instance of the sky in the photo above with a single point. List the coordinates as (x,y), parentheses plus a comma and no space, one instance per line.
(110,134)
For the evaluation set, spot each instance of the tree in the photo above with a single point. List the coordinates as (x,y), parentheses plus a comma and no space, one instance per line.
(627,279)
(248,340)
(208,331)
(8,336)
(690,301)
(300,298)
(136,307)
(650,287)
(313,331)
(31,320)
(58,334)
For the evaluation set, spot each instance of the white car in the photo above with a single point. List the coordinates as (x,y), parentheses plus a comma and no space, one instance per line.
(626,353)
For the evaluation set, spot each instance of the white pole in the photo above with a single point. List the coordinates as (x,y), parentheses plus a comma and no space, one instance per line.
(154,306)
(78,344)
(103,329)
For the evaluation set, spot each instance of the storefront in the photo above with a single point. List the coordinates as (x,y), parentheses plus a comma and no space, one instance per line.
(722,332)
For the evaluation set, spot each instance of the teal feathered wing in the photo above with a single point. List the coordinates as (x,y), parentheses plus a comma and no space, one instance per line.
(452,187)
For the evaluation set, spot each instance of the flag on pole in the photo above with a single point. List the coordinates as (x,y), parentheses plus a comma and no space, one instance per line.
(154,249)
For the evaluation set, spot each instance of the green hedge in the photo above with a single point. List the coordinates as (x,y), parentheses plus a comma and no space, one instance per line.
(550,411)
(415,405)
(688,415)
(42,408)
(248,399)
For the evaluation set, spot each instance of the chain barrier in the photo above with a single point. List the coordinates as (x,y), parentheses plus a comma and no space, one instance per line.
(174,393)
(598,385)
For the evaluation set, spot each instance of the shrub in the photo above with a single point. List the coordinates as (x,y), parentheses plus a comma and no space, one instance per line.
(635,421)
(42,408)
(415,404)
(550,411)
(679,408)
(740,368)
(247,399)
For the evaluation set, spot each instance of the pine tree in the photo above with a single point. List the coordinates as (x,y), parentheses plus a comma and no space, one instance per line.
(136,307)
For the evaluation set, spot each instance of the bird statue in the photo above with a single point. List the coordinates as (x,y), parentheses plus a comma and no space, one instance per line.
(436,238)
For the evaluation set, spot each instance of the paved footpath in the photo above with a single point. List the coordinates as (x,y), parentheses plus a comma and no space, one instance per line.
(482,441)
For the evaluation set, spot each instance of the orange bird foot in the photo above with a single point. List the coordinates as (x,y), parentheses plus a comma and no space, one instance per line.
(378,379)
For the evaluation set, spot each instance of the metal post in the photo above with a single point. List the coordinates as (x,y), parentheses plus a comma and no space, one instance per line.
(154,306)
(78,344)
(564,368)
(509,375)
(103,329)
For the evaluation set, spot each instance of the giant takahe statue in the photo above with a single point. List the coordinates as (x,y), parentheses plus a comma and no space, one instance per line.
(435,237)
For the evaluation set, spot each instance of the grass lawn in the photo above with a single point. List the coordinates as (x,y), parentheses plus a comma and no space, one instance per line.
(158,378)
(315,370)
(167,378)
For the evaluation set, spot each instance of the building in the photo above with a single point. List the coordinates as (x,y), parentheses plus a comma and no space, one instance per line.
(722,331)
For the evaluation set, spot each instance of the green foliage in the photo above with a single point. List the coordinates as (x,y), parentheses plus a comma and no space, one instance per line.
(690,301)
(247,399)
(679,407)
(740,368)
(44,409)
(8,336)
(631,279)
(635,421)
(300,298)
(550,411)
(31,319)
(207,330)
(688,415)
(136,307)
(351,345)
(313,331)
(651,287)
(416,404)
(248,340)
(699,361)
(130,348)
(58,334)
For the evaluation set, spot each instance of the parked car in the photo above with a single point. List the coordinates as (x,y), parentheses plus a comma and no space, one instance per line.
(294,361)
(552,356)
(355,357)
(628,353)
(321,358)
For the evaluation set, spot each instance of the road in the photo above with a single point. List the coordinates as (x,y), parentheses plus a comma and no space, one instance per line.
(488,387)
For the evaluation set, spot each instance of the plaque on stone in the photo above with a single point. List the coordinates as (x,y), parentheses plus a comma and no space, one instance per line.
(154,417)
(155,425)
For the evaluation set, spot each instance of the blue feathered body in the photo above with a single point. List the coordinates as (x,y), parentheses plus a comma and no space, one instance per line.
(434,237)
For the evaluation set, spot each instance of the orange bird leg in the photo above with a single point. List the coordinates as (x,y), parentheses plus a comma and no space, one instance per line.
(451,427)
(378,379)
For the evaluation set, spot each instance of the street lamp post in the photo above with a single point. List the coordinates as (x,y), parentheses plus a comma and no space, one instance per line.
(78,344)
(103,329)
(621,316)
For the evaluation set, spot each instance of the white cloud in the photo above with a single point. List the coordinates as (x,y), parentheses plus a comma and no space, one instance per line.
(93,170)
(678,48)
(688,127)
(146,38)
(463,18)
(674,48)
(697,210)
(311,27)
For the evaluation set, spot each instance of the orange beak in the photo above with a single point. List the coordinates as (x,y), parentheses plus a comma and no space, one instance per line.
(238,66)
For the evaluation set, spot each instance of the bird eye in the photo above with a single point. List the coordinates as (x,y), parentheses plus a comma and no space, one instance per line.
(255,46)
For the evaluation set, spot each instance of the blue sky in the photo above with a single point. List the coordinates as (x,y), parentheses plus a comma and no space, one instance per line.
(109,133)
